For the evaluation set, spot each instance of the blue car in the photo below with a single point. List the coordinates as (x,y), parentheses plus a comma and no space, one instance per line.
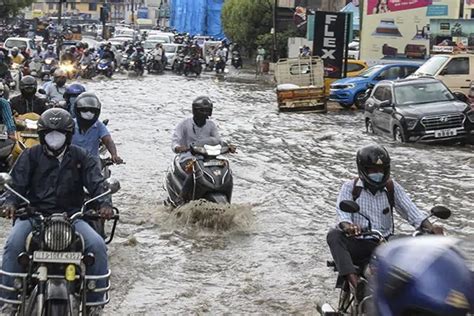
(349,91)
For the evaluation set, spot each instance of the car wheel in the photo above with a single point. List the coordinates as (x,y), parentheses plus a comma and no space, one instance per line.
(398,134)
(359,100)
(369,127)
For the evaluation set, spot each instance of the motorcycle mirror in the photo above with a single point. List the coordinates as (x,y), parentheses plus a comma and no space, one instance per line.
(5,178)
(112,184)
(441,212)
(349,206)
(41,91)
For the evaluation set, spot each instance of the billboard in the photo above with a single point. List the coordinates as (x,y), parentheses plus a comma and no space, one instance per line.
(400,30)
(451,35)
(330,41)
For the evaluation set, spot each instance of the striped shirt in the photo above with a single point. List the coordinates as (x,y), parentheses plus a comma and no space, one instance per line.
(7,116)
(377,208)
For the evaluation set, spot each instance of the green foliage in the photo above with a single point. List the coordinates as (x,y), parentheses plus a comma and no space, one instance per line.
(10,8)
(244,20)
(266,40)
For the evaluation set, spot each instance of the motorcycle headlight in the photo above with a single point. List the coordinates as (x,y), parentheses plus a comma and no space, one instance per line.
(470,116)
(58,234)
(411,122)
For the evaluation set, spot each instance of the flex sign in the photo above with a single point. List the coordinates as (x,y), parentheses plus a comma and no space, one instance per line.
(329,41)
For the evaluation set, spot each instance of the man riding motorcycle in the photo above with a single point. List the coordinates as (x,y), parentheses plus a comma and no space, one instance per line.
(49,53)
(377,194)
(6,117)
(52,176)
(191,130)
(89,131)
(16,57)
(70,96)
(28,101)
(56,90)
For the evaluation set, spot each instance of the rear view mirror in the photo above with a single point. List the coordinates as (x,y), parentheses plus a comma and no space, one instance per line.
(349,206)
(370,85)
(5,179)
(41,91)
(461,96)
(112,184)
(441,212)
(385,104)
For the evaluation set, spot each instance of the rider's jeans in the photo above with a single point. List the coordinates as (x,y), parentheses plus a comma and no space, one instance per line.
(15,245)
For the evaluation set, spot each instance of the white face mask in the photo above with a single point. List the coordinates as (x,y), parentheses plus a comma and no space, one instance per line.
(55,140)
(87,115)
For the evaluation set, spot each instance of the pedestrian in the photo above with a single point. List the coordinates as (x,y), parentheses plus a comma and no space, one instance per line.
(260,58)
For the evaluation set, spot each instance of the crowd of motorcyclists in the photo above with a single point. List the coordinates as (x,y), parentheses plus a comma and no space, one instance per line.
(53,174)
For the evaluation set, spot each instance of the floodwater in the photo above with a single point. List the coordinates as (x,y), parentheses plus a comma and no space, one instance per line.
(267,252)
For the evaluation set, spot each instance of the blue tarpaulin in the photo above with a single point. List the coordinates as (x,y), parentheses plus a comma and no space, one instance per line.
(197,17)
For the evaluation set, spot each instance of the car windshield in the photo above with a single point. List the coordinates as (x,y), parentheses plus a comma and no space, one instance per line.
(422,93)
(150,45)
(170,49)
(160,38)
(431,66)
(370,72)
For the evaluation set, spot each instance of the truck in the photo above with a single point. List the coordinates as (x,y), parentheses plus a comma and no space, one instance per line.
(300,84)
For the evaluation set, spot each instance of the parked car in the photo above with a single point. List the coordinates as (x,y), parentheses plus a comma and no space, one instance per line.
(456,71)
(21,42)
(354,68)
(349,91)
(418,110)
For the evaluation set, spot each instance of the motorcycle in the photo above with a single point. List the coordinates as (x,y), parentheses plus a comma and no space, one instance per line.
(125,61)
(213,180)
(6,149)
(348,305)
(35,67)
(56,282)
(137,66)
(192,65)
(236,60)
(154,65)
(87,71)
(362,98)
(211,64)
(45,72)
(220,64)
(26,134)
(104,67)
(178,65)
(17,73)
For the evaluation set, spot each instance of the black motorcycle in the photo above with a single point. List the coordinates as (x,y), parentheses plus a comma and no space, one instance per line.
(211,64)
(212,177)
(154,65)
(55,281)
(137,65)
(236,60)
(6,148)
(220,64)
(45,72)
(178,65)
(362,98)
(192,65)
(348,305)
(87,71)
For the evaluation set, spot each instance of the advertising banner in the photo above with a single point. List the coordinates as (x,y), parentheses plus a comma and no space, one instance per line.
(451,35)
(329,41)
(400,30)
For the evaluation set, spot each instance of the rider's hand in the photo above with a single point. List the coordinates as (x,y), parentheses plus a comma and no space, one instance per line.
(116,159)
(352,229)
(180,149)
(8,211)
(12,136)
(437,230)
(232,148)
(106,212)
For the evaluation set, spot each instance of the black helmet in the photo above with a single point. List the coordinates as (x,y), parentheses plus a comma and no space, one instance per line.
(202,105)
(56,119)
(371,160)
(87,102)
(28,86)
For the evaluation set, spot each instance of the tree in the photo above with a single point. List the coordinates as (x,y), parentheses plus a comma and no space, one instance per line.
(245,20)
(10,8)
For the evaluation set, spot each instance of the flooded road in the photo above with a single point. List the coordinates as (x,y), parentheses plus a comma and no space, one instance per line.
(287,173)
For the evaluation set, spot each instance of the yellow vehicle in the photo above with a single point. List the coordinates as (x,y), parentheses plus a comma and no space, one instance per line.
(354,68)
(300,84)
(27,133)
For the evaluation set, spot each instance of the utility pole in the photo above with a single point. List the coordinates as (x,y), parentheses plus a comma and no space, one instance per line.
(274,50)
(133,12)
(59,41)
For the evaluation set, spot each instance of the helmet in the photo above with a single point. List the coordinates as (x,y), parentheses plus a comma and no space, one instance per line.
(56,119)
(15,51)
(50,47)
(422,276)
(202,106)
(72,92)
(87,102)
(59,73)
(28,86)
(373,164)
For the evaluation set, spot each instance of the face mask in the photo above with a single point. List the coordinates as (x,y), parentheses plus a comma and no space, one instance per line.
(72,100)
(61,82)
(376,177)
(87,115)
(200,120)
(55,140)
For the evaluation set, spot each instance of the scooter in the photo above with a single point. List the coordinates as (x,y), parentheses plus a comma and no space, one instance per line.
(87,71)
(45,72)
(192,65)
(236,60)
(154,65)
(220,64)
(348,305)
(211,174)
(104,67)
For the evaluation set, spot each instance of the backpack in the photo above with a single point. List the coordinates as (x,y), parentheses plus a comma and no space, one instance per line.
(390,190)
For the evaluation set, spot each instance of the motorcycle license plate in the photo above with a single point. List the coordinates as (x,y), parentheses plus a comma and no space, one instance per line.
(215,163)
(57,257)
(3,132)
(29,135)
(446,133)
